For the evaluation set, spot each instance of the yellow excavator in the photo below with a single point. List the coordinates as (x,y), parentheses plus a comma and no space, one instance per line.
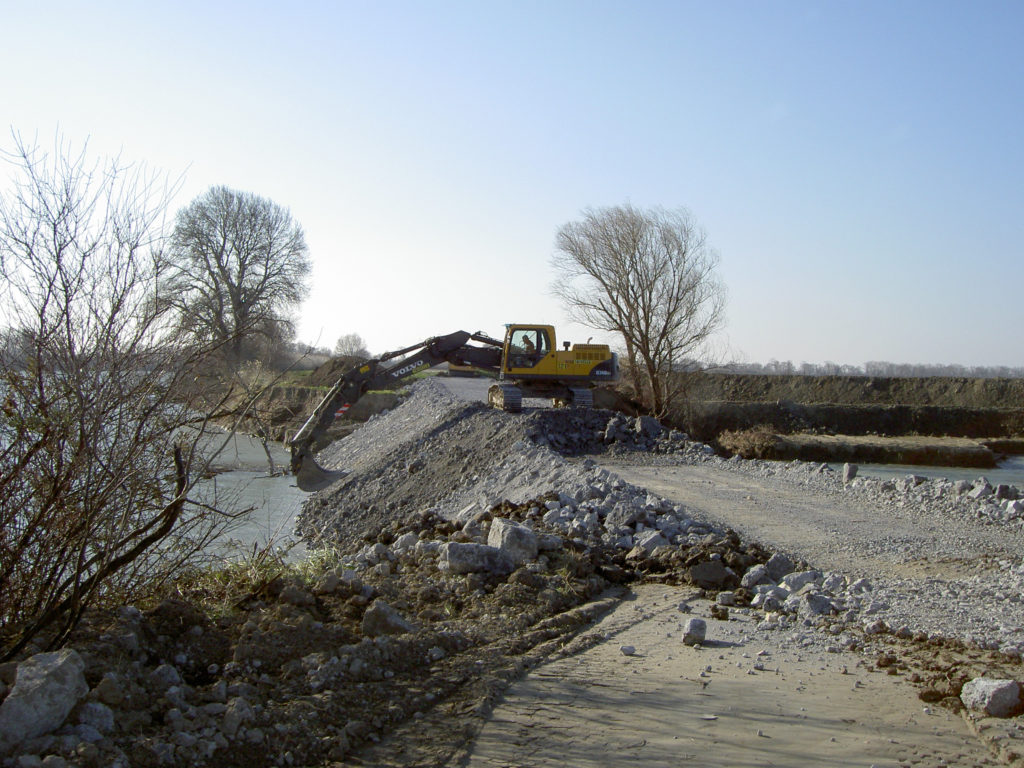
(527,363)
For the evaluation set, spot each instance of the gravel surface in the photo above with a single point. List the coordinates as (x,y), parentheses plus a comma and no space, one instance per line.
(941,557)
(465,546)
(939,560)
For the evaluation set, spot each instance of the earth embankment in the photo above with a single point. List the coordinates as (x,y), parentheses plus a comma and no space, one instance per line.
(859,390)
(784,417)
(467,547)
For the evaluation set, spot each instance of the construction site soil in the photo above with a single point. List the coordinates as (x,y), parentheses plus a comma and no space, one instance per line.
(860,390)
(466,547)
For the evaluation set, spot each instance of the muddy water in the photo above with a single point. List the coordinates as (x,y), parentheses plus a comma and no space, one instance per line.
(244,483)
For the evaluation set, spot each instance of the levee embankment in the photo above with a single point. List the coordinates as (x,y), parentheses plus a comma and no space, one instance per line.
(785,417)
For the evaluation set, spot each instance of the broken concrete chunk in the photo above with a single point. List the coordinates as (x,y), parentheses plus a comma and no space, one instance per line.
(47,687)
(709,574)
(456,557)
(163,677)
(794,582)
(621,516)
(647,426)
(695,631)
(381,619)
(648,541)
(518,541)
(778,566)
(757,574)
(809,605)
(238,711)
(997,698)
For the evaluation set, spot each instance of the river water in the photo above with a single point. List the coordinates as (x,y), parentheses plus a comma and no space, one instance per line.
(276,501)
(244,482)
(1010,471)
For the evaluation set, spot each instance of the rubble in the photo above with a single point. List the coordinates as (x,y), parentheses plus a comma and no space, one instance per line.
(445,583)
(46,688)
(998,698)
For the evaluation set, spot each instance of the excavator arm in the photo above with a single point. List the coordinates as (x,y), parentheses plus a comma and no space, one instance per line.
(453,348)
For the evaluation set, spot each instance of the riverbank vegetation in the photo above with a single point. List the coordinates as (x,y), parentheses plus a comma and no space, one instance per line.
(107,408)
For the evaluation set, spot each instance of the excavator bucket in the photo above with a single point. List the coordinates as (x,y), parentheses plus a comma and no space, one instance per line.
(310,476)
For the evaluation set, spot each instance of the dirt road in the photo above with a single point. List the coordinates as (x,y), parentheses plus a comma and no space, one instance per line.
(829,532)
(744,699)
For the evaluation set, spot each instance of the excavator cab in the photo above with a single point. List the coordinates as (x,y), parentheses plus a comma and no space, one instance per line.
(527,346)
(531,354)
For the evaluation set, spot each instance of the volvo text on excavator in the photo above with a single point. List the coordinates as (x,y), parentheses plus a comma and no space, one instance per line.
(527,363)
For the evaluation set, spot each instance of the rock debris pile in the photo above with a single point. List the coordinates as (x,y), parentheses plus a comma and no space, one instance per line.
(463,546)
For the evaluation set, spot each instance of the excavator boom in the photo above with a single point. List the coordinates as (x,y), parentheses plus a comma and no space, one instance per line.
(453,348)
(528,362)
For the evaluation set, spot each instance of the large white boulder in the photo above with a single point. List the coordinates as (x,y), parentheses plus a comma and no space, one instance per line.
(998,698)
(47,687)
(518,541)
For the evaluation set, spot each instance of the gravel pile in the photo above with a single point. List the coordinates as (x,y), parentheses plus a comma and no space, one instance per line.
(474,544)
(458,460)
(975,529)
(440,454)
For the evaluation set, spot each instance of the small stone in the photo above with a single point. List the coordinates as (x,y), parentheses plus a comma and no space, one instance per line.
(381,619)
(163,677)
(627,650)
(695,631)
(238,711)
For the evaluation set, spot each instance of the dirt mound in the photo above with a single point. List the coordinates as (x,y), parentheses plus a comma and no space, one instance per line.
(859,390)
(706,420)
(328,373)
(436,453)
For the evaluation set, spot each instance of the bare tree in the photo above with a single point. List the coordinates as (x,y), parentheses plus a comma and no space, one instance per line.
(648,276)
(351,345)
(98,432)
(240,265)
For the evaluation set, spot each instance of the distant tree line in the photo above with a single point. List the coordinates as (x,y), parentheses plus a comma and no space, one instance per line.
(875,368)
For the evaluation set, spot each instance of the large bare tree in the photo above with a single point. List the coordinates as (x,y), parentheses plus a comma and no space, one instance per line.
(351,345)
(240,266)
(97,396)
(649,276)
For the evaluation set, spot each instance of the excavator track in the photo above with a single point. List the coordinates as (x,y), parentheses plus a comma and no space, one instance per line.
(583,398)
(506,397)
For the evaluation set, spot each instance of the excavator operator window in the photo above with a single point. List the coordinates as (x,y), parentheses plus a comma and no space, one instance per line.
(529,345)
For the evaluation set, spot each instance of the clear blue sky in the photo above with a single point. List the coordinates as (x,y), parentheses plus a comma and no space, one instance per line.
(858,165)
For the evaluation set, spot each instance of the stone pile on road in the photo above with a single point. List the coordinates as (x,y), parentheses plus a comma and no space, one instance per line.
(983,604)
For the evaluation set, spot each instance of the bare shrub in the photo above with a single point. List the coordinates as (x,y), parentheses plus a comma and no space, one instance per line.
(759,442)
(100,422)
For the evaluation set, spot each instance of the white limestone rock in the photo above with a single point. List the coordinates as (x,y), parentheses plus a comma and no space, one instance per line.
(997,698)
(458,557)
(46,689)
(519,542)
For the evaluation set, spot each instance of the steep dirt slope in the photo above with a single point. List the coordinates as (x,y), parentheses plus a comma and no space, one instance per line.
(861,390)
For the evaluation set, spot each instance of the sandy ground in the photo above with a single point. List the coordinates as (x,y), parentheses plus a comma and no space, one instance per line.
(748,697)
(744,699)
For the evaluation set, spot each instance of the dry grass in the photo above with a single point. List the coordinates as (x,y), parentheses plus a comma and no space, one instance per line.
(756,443)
